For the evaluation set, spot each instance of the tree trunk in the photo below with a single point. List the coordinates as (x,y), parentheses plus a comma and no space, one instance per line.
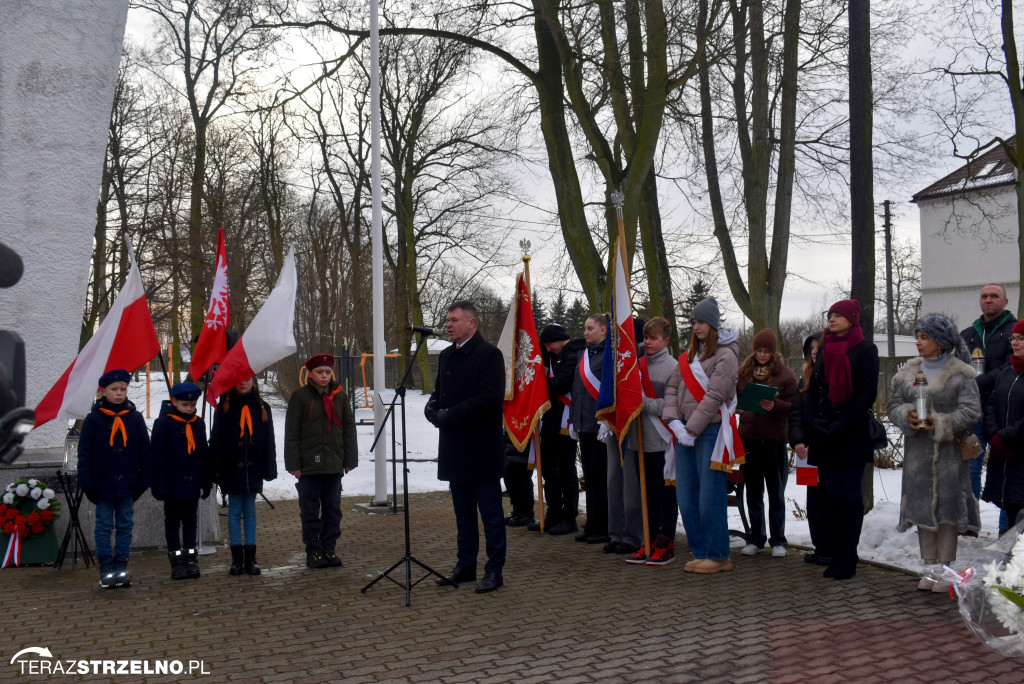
(196,300)
(98,286)
(1013,82)
(862,203)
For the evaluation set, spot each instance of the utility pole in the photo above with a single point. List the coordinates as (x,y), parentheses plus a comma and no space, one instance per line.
(890,318)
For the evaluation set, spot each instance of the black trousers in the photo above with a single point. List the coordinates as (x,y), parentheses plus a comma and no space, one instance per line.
(817,521)
(519,484)
(654,479)
(844,501)
(561,481)
(767,467)
(669,511)
(320,511)
(467,496)
(180,515)
(595,477)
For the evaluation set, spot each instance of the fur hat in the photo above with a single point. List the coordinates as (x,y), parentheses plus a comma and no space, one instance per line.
(848,309)
(553,333)
(707,311)
(116,375)
(320,360)
(766,339)
(945,334)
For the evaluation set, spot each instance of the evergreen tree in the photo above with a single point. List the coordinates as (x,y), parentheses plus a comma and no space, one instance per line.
(699,291)
(558,312)
(576,318)
(540,317)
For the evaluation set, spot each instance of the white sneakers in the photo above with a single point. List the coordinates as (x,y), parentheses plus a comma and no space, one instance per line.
(750,550)
(779,551)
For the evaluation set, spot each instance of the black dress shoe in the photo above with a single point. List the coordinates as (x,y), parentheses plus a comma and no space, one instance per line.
(598,539)
(609,547)
(490,582)
(534,526)
(519,520)
(563,527)
(623,547)
(582,537)
(457,575)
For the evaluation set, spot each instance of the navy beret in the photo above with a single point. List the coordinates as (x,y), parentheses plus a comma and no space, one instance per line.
(186,391)
(116,375)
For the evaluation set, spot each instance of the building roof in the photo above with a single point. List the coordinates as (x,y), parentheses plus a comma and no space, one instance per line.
(990,170)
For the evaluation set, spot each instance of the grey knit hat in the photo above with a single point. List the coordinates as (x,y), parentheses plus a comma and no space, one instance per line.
(707,311)
(945,334)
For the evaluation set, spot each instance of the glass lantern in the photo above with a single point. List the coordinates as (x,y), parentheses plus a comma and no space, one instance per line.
(71,451)
(919,393)
(978,361)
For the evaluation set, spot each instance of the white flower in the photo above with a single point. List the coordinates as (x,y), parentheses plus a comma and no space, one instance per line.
(48,493)
(22,489)
(10,487)
(9,498)
(36,492)
(33,482)
(43,504)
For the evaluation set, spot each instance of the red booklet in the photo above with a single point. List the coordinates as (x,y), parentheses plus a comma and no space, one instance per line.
(807,475)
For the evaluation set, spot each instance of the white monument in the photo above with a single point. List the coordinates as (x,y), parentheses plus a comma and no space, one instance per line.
(58,70)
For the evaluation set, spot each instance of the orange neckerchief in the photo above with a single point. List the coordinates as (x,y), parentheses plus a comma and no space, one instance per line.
(329,407)
(245,421)
(188,430)
(118,424)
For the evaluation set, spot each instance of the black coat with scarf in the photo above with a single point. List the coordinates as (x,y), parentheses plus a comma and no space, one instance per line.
(178,474)
(1004,416)
(470,386)
(561,381)
(838,436)
(993,339)
(110,467)
(245,458)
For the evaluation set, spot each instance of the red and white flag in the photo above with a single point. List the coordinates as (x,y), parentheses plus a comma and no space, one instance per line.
(126,339)
(212,344)
(524,365)
(268,339)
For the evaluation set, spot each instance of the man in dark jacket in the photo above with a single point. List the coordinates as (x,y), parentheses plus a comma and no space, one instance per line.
(561,481)
(988,336)
(466,408)
(320,446)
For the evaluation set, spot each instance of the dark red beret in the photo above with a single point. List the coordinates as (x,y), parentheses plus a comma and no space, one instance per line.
(320,360)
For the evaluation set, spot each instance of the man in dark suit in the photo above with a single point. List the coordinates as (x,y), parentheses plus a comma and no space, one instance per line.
(466,407)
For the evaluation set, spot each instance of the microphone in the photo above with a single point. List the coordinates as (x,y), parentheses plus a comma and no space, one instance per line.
(421,330)
(11,266)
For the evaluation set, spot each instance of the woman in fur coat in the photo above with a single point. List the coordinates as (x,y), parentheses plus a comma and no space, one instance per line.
(937,494)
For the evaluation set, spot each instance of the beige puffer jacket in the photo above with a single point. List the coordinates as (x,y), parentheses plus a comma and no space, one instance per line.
(722,370)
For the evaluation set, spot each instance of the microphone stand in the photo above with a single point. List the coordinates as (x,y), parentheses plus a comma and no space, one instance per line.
(408,559)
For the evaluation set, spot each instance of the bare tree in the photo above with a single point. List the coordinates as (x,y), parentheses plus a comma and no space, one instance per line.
(208,52)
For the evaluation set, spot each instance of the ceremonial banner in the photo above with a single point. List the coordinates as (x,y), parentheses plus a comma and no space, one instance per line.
(212,344)
(524,364)
(621,397)
(126,339)
(268,339)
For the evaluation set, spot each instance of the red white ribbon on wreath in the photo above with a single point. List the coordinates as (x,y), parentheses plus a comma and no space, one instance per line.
(13,554)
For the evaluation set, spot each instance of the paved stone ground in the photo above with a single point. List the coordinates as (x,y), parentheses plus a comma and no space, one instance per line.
(567,613)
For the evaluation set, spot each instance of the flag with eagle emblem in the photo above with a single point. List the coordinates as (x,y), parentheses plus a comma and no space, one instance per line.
(525,367)
(212,344)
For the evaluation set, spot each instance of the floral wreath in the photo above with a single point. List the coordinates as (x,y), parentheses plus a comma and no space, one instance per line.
(39,519)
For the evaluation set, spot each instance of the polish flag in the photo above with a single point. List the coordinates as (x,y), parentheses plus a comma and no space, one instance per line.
(126,339)
(268,339)
(212,344)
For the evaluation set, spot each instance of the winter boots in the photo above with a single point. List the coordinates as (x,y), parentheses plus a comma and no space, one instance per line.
(249,555)
(191,564)
(108,573)
(236,560)
(177,559)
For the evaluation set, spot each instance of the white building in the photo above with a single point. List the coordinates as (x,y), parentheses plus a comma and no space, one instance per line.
(969,237)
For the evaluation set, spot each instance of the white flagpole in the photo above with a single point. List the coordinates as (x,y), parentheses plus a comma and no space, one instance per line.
(380,495)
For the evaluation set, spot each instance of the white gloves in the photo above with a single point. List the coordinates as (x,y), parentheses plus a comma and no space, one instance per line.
(605,434)
(678,429)
(687,440)
(572,433)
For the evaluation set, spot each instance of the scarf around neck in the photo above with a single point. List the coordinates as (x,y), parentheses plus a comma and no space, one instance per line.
(837,364)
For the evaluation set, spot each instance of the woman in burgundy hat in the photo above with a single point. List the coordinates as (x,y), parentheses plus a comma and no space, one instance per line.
(842,390)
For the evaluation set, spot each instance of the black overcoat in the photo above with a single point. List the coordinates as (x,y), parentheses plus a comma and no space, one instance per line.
(838,436)
(470,385)
(178,474)
(108,471)
(1004,415)
(244,459)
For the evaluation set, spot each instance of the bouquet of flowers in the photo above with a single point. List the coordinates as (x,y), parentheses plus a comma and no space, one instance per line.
(992,598)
